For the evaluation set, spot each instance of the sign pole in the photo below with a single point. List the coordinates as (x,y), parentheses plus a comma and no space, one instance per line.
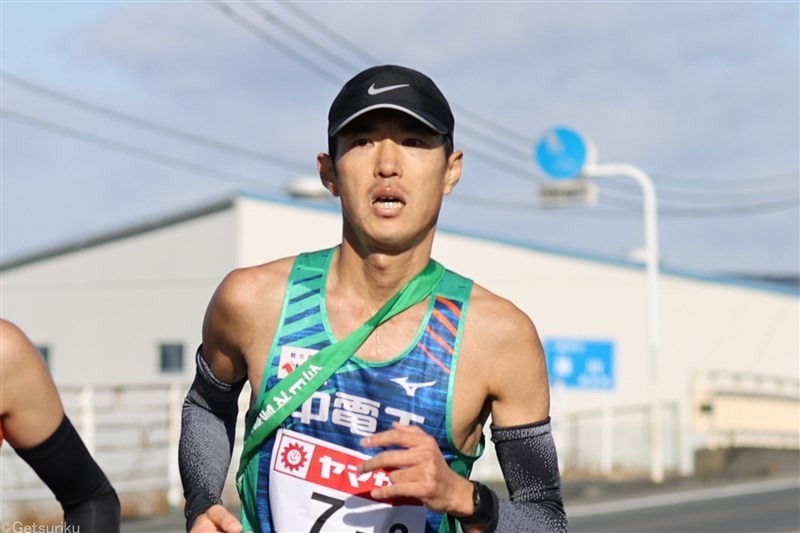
(651,273)
(564,154)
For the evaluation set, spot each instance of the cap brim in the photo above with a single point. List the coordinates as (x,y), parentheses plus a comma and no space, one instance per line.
(427,120)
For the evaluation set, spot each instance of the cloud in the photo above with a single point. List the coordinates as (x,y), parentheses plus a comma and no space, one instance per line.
(704,90)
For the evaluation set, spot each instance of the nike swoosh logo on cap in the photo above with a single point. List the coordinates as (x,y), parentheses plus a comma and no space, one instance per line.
(378,90)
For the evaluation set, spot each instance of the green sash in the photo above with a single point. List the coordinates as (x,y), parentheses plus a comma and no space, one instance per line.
(291,391)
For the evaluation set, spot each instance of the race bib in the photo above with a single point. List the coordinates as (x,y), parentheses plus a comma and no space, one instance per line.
(314,487)
(292,357)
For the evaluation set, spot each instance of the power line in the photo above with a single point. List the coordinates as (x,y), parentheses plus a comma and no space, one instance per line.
(321,28)
(132,150)
(502,145)
(520,139)
(174,162)
(730,185)
(511,144)
(752,208)
(788,204)
(148,124)
(258,32)
(520,172)
(274,19)
(497,145)
(514,170)
(191,167)
(239,179)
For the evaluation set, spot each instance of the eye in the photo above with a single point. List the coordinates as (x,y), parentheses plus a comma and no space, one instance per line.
(415,142)
(363,141)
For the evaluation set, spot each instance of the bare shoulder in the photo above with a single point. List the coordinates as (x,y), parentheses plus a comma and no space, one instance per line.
(10,335)
(15,348)
(252,289)
(503,345)
(496,322)
(29,406)
(241,317)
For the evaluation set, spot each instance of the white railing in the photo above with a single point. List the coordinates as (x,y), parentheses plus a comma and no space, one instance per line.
(615,440)
(133,430)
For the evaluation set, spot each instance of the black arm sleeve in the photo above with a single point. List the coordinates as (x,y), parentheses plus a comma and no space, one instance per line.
(62,461)
(208,426)
(527,457)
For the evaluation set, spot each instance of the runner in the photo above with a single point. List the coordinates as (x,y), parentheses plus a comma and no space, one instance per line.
(378,366)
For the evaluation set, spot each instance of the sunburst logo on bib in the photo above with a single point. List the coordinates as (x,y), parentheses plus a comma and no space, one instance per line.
(293,457)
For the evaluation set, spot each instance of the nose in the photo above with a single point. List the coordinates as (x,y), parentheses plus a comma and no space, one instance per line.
(387,164)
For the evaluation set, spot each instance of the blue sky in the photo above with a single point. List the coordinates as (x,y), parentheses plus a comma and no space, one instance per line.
(110,109)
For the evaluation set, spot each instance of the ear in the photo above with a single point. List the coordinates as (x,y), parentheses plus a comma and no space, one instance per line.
(453,171)
(327,174)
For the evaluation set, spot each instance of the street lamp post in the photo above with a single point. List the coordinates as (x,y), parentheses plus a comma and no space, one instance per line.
(651,273)
(564,154)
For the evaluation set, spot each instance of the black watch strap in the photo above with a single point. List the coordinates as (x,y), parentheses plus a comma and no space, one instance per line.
(483,504)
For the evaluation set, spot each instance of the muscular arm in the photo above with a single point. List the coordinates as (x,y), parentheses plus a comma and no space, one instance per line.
(211,407)
(36,427)
(30,407)
(80,486)
(208,427)
(238,325)
(519,399)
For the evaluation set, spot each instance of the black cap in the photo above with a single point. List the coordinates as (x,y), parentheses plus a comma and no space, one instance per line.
(391,87)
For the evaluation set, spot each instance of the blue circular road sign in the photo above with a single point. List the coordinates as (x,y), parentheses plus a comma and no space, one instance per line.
(562,153)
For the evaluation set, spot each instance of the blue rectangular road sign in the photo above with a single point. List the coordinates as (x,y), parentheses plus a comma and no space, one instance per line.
(580,364)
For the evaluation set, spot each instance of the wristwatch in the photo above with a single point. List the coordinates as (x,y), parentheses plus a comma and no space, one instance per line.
(483,504)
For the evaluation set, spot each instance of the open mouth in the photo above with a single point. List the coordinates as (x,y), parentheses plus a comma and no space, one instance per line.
(387,201)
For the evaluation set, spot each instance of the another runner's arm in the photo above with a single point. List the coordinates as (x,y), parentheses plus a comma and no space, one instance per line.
(520,404)
(35,425)
(62,461)
(210,409)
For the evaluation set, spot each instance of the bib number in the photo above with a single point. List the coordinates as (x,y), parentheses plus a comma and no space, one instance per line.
(314,487)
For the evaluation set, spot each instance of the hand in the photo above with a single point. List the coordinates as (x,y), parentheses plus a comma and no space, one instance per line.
(417,471)
(216,520)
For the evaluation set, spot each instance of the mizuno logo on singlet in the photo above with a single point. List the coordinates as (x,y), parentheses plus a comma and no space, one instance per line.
(411,388)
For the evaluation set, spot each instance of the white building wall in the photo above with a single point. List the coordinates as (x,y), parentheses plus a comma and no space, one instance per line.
(103,310)
(703,325)
(270,231)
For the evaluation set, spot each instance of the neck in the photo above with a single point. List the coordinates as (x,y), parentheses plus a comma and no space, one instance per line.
(374,277)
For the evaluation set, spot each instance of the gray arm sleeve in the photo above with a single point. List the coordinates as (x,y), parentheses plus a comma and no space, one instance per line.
(527,457)
(208,426)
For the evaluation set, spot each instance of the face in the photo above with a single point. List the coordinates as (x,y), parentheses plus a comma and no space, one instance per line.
(391,173)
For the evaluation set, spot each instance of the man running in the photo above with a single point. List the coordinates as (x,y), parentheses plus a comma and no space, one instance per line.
(387,441)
